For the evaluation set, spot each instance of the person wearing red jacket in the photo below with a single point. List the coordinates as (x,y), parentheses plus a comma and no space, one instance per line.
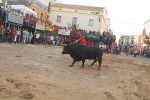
(89,44)
(81,40)
(92,44)
(14,34)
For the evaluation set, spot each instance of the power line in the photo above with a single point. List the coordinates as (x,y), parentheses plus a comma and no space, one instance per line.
(127,22)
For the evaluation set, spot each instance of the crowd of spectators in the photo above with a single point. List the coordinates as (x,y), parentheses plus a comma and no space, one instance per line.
(10,10)
(15,35)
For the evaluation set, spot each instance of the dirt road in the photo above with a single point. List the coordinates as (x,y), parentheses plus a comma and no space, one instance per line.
(41,73)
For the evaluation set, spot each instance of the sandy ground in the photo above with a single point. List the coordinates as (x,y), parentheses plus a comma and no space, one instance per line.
(41,73)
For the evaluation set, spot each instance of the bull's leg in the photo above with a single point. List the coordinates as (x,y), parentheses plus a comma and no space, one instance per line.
(83,61)
(100,62)
(72,63)
(94,62)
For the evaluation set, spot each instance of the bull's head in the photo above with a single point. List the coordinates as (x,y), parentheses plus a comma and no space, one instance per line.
(66,50)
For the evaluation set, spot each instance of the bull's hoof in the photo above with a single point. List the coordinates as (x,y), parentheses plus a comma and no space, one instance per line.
(70,65)
(82,67)
(98,68)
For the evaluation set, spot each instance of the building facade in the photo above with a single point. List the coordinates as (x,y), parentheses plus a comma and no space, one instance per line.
(35,5)
(41,12)
(147,27)
(124,40)
(82,17)
(46,2)
(108,24)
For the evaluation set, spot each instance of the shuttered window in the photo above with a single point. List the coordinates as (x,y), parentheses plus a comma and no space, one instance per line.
(58,19)
(91,22)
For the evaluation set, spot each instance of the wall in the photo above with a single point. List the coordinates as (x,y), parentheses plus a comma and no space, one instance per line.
(147,25)
(39,11)
(46,2)
(83,17)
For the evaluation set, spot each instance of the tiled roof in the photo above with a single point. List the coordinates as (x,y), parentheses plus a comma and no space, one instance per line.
(76,6)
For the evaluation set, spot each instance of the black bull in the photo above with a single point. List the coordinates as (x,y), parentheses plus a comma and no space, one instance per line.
(81,53)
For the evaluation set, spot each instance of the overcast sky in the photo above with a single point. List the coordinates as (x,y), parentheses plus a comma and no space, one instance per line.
(126,15)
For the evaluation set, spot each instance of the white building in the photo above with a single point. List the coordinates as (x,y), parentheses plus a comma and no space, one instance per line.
(83,17)
(124,40)
(46,2)
(108,23)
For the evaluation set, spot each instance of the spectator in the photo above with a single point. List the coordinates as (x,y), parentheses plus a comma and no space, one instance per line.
(24,36)
(18,35)
(92,44)
(14,35)
(7,35)
(27,36)
(81,40)
(135,53)
(2,33)
(58,41)
(30,37)
(37,38)
(9,8)
(48,40)
(52,39)
(1,12)
(89,44)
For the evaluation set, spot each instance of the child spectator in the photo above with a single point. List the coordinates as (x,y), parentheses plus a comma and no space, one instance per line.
(48,40)
(30,37)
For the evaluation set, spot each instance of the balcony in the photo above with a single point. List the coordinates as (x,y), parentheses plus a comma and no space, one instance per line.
(13,18)
(30,22)
(146,40)
(8,17)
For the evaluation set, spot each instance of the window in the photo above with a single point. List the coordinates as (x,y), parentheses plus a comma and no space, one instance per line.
(47,17)
(41,16)
(76,10)
(33,10)
(74,22)
(58,19)
(91,22)
(96,12)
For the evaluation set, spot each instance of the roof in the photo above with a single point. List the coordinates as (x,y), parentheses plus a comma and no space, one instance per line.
(24,9)
(147,21)
(77,6)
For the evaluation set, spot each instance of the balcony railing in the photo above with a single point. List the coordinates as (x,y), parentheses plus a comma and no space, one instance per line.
(146,40)
(10,17)
(14,18)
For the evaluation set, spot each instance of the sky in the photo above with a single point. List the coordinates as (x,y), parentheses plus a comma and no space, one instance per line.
(127,16)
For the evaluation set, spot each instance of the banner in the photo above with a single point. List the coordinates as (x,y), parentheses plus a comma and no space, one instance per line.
(49,29)
(64,32)
(40,26)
